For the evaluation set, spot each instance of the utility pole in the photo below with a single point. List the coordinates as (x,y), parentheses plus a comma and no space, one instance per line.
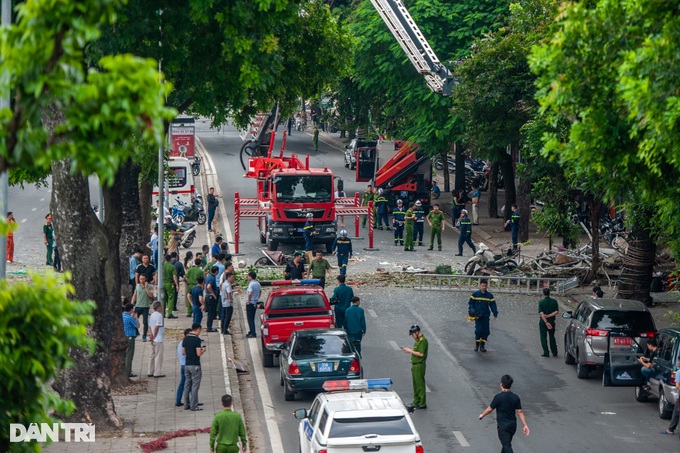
(6,12)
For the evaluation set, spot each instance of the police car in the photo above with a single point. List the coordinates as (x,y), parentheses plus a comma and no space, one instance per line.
(360,415)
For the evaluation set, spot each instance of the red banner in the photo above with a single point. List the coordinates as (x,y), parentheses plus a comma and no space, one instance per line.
(182,141)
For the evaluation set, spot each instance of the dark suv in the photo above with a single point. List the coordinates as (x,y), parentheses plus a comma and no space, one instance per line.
(662,384)
(586,338)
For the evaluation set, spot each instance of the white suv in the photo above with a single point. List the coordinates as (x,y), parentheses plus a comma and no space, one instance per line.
(357,415)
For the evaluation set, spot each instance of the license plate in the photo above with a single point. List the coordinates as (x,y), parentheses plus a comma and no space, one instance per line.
(623,341)
(324,367)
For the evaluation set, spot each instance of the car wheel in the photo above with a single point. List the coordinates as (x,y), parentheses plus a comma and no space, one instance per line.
(267,359)
(581,369)
(273,245)
(568,358)
(665,409)
(288,395)
(641,395)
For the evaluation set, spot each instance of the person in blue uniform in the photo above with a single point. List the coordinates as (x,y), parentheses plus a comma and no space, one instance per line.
(381,203)
(480,307)
(514,226)
(398,214)
(342,246)
(465,233)
(309,233)
(419,226)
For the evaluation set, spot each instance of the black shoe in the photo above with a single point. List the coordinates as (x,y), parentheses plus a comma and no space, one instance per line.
(545,355)
(476,347)
(132,375)
(172,317)
(482,348)
(189,315)
(554,354)
(430,248)
(197,409)
(388,229)
(226,333)
(179,404)
(212,330)
(420,244)
(420,407)
(439,248)
(186,408)
(457,254)
(159,376)
(149,375)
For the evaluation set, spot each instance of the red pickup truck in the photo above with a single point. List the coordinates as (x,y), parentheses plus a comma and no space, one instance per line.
(290,309)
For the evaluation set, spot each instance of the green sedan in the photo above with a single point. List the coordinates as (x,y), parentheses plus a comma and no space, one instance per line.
(311,357)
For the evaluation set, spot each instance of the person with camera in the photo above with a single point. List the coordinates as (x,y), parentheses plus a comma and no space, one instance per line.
(480,307)
(192,350)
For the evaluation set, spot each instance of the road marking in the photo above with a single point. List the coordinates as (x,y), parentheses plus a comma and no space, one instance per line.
(395,345)
(227,385)
(372,313)
(42,199)
(461,439)
(24,220)
(607,413)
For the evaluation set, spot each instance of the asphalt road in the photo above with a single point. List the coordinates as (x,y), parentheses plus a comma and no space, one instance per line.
(565,414)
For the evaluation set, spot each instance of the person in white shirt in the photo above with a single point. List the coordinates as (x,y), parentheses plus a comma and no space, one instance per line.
(156,335)
(227,297)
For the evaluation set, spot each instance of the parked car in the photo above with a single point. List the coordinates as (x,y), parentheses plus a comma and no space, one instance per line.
(311,357)
(586,336)
(355,146)
(357,416)
(662,385)
(290,309)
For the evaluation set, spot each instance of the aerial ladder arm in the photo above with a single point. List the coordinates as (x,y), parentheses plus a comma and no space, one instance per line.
(397,18)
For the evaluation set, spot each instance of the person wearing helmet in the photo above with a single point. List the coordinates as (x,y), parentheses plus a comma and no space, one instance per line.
(419,226)
(342,246)
(418,358)
(409,220)
(309,233)
(436,221)
(381,203)
(398,215)
(465,233)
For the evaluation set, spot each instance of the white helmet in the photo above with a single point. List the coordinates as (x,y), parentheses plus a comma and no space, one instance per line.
(343,233)
(418,203)
(310,215)
(399,201)
(380,191)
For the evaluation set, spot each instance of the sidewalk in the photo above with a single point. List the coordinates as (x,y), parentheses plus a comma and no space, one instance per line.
(150,412)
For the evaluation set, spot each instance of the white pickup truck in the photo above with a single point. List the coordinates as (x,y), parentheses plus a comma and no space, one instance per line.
(357,416)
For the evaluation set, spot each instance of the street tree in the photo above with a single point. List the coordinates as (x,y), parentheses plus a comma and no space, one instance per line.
(78,120)
(608,71)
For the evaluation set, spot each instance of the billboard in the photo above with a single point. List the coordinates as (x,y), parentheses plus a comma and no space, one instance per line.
(182,138)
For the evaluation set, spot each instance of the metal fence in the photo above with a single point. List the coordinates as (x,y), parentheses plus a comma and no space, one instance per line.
(499,284)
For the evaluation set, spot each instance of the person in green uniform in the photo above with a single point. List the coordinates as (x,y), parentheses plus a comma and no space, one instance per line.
(319,267)
(343,294)
(547,310)
(191,276)
(418,358)
(170,285)
(409,222)
(365,198)
(226,429)
(436,221)
(315,139)
(48,238)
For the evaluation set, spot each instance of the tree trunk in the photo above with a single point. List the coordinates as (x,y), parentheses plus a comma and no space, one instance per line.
(343,133)
(524,188)
(145,191)
(447,177)
(493,190)
(89,251)
(131,234)
(595,208)
(508,184)
(460,167)
(638,263)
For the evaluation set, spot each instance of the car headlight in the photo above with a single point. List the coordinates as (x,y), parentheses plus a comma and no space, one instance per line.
(277,230)
(329,229)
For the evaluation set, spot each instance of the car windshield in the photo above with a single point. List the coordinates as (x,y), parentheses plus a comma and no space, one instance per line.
(635,321)
(304,188)
(360,427)
(295,301)
(320,345)
(367,143)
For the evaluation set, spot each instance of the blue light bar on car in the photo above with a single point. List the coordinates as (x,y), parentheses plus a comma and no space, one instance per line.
(357,384)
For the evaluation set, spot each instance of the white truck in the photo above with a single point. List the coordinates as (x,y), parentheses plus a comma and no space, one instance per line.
(357,416)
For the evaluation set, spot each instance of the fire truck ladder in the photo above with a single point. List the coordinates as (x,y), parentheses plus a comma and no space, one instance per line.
(397,18)
(497,284)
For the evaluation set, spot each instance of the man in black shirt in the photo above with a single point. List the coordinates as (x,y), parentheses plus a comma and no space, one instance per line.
(147,269)
(506,404)
(192,349)
(295,269)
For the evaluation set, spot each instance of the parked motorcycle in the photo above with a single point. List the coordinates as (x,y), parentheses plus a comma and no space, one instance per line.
(611,229)
(187,232)
(195,212)
(196,165)
(485,259)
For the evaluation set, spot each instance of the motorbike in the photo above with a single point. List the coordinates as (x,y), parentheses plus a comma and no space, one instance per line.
(485,258)
(611,229)
(187,232)
(181,212)
(450,163)
(196,166)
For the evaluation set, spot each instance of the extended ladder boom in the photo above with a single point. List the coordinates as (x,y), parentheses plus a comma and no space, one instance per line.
(408,35)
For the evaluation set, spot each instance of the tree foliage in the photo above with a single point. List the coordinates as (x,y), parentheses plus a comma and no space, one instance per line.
(38,325)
